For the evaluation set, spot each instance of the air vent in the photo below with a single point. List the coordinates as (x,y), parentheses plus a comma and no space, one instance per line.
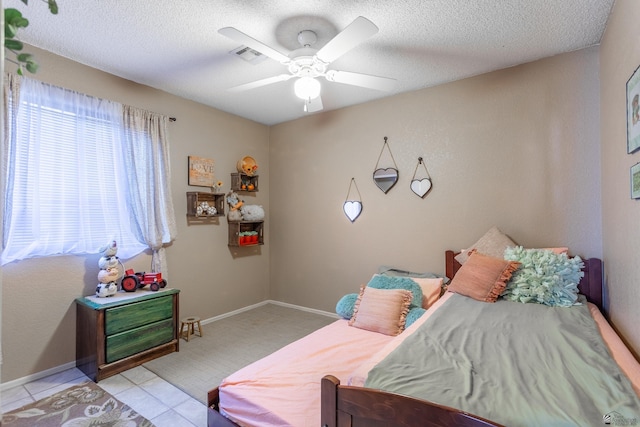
(248,54)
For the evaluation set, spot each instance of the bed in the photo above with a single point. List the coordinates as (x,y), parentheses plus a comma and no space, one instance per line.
(340,354)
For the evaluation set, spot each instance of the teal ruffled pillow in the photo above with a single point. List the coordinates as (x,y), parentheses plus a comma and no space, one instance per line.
(544,277)
(380,281)
(413,315)
(345,305)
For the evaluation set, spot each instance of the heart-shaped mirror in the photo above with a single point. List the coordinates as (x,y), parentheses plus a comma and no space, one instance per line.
(385,179)
(352,209)
(421,186)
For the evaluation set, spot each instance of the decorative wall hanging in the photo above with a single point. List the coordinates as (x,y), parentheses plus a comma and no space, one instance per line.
(633,112)
(352,208)
(421,186)
(635,181)
(201,171)
(385,178)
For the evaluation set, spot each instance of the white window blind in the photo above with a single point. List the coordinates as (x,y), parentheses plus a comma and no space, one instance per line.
(66,187)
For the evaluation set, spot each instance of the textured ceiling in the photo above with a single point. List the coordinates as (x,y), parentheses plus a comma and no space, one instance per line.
(175,45)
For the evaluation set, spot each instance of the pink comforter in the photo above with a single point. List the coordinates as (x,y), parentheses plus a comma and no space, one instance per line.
(283,389)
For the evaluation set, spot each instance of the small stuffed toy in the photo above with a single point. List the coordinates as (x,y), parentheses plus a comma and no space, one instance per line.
(252,212)
(247,165)
(234,202)
(109,273)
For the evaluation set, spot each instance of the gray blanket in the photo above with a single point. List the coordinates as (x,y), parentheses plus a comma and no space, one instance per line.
(516,364)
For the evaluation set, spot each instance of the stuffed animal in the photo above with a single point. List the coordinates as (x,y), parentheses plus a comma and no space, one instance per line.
(234,202)
(252,212)
(234,215)
(106,289)
(109,273)
(247,165)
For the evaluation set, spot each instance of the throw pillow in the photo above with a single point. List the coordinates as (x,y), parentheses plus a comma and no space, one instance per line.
(545,277)
(483,277)
(493,243)
(381,310)
(344,307)
(431,290)
(381,281)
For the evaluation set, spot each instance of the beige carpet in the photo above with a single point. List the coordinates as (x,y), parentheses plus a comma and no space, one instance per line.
(80,405)
(229,344)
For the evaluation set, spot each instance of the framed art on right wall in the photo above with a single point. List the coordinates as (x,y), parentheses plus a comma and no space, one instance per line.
(635,181)
(633,112)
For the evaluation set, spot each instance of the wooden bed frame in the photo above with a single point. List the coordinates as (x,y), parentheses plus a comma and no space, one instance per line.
(347,406)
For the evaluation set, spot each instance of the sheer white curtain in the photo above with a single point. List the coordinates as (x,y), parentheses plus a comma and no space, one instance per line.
(146,157)
(80,171)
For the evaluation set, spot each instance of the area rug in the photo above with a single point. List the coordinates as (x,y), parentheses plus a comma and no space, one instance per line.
(79,406)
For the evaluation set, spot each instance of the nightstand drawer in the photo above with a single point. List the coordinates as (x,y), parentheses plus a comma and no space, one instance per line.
(131,316)
(139,339)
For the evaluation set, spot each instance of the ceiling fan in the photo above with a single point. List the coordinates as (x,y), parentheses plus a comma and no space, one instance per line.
(306,64)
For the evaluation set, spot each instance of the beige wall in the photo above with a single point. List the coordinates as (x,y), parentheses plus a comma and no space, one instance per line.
(517,148)
(38,295)
(619,57)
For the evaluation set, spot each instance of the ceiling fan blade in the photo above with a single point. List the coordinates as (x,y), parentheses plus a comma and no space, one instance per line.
(362,80)
(260,83)
(254,44)
(354,34)
(313,105)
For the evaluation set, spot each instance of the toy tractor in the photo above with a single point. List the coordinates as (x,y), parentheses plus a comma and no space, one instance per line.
(132,281)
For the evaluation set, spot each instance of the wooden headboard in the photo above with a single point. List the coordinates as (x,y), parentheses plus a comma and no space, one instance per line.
(590,285)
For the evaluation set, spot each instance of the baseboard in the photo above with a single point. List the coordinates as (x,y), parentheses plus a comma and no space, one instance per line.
(34,377)
(260,304)
(55,370)
(307,309)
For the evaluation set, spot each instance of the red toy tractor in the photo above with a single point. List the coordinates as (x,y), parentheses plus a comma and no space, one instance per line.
(132,281)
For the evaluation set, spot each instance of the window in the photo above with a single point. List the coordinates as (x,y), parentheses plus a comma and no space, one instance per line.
(67,181)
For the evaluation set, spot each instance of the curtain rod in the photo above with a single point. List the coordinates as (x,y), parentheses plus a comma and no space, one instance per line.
(172,119)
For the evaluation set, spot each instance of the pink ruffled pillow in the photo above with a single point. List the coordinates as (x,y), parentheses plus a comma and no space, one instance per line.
(381,310)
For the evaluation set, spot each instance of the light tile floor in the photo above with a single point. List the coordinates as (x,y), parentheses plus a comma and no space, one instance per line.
(154,398)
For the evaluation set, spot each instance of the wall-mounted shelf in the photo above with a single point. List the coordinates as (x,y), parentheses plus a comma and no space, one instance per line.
(246,233)
(242,182)
(197,203)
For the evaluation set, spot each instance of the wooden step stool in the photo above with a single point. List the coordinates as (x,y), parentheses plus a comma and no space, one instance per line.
(190,323)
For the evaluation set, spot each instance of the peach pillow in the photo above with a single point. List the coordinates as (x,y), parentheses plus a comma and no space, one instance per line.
(381,310)
(431,289)
(483,277)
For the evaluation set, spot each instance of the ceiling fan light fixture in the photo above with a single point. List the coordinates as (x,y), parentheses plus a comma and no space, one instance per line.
(307,88)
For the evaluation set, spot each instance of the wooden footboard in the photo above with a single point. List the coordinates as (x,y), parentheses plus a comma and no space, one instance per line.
(214,417)
(345,406)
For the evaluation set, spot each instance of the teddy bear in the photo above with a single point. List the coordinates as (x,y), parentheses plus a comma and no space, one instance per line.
(109,272)
(247,165)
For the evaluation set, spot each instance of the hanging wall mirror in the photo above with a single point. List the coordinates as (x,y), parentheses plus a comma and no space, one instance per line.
(421,186)
(385,178)
(352,208)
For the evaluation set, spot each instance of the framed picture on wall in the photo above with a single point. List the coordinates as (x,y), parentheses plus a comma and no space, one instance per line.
(201,171)
(635,181)
(633,112)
